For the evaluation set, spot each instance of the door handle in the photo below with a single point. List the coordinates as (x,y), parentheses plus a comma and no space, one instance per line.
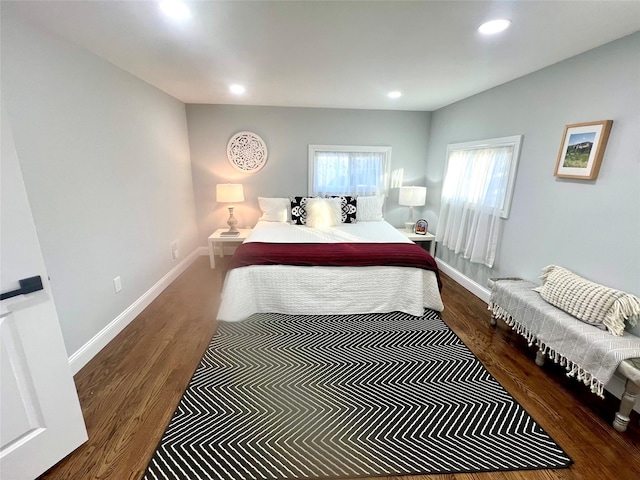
(27,285)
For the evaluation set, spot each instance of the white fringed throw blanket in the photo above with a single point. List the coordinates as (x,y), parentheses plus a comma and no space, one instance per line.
(588,353)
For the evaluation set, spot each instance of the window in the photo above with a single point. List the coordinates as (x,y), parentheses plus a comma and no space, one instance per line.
(483,172)
(476,193)
(343,170)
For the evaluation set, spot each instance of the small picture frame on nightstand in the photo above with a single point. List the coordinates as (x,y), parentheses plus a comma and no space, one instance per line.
(421,227)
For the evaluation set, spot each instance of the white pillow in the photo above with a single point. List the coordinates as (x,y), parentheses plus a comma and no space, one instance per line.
(589,301)
(274,209)
(324,212)
(370,208)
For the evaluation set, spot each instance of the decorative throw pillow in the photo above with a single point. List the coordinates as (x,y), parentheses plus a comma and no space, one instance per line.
(589,301)
(323,212)
(348,205)
(299,210)
(274,209)
(370,208)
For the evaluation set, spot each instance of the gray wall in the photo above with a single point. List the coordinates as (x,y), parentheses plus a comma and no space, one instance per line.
(591,227)
(288,132)
(105,159)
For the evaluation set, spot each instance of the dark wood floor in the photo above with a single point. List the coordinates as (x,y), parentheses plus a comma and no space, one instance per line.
(130,389)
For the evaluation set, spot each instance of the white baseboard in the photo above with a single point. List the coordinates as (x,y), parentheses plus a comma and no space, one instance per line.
(478,290)
(90,349)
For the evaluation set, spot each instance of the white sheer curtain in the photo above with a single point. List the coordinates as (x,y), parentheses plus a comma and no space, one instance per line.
(473,196)
(350,173)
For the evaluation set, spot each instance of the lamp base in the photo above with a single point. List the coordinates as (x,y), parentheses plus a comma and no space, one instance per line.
(232,222)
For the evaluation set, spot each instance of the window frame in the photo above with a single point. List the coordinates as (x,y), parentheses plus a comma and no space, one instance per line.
(346,149)
(515,141)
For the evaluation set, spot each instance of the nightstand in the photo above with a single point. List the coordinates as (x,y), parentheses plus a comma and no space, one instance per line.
(216,239)
(428,237)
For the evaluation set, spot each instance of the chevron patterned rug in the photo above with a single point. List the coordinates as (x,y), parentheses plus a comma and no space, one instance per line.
(283,397)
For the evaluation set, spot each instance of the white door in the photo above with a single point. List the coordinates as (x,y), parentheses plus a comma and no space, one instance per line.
(40,417)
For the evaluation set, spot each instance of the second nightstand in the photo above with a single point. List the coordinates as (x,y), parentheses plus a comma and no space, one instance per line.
(216,239)
(428,237)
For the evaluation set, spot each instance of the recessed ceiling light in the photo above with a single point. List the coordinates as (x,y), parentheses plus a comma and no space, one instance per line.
(394,94)
(237,89)
(175,9)
(494,26)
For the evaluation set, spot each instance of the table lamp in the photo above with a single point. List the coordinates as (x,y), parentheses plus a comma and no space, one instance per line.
(230,193)
(412,197)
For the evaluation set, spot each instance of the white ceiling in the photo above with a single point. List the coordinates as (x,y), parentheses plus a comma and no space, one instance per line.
(333,54)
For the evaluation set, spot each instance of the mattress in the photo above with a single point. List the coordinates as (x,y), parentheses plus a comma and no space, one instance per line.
(326,290)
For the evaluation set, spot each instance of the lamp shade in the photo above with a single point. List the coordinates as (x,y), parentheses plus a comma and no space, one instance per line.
(229,192)
(413,196)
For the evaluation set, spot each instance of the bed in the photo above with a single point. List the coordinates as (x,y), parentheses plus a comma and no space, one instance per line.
(307,288)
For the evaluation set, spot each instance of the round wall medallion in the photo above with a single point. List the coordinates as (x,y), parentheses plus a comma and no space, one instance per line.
(247,152)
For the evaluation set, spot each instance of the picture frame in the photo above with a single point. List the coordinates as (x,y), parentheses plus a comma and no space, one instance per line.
(582,149)
(421,227)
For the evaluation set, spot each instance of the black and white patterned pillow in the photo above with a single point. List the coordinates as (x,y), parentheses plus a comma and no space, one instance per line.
(348,205)
(299,210)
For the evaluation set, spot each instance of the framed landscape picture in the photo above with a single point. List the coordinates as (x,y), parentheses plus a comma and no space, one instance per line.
(582,149)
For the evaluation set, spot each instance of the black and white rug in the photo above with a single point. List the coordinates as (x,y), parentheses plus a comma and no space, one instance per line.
(288,397)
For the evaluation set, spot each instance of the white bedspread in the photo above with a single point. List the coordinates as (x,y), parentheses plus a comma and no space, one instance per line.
(298,290)
(362,232)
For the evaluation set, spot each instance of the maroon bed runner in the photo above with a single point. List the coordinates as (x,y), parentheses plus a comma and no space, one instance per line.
(335,255)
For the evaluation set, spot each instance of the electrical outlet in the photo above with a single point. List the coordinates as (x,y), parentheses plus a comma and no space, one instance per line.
(117,284)
(175,251)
